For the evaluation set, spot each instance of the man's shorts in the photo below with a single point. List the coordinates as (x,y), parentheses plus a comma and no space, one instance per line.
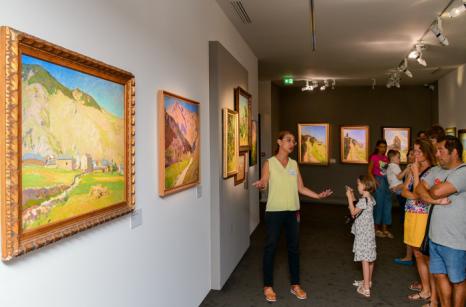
(449,261)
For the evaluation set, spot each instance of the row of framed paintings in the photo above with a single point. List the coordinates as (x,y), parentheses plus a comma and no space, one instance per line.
(314,143)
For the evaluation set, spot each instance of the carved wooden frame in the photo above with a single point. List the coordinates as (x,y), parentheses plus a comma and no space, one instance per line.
(12,44)
(327,140)
(354,127)
(241,92)
(227,112)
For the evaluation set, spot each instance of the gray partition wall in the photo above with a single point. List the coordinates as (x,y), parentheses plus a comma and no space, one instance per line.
(230,203)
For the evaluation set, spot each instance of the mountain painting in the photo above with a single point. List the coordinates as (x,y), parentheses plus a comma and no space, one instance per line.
(354,144)
(180,143)
(313,144)
(73,143)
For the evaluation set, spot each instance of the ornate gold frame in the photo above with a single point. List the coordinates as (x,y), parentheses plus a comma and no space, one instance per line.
(227,112)
(364,128)
(241,92)
(12,44)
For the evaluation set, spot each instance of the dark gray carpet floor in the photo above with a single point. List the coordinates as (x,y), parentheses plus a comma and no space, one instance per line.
(327,267)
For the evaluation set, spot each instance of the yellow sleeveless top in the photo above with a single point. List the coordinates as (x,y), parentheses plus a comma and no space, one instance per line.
(283,186)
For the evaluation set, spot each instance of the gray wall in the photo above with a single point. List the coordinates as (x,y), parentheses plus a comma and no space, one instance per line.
(409,106)
(230,203)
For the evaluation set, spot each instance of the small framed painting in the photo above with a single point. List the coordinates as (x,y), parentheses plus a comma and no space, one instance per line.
(313,144)
(243,107)
(253,151)
(450,131)
(179,143)
(398,139)
(354,144)
(462,138)
(230,143)
(242,168)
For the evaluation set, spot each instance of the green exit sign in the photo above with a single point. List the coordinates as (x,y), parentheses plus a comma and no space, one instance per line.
(287,80)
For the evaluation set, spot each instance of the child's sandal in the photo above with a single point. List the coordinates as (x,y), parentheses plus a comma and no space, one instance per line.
(358,283)
(364,292)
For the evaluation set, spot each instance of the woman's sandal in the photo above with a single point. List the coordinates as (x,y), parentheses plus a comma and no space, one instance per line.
(363,292)
(418,297)
(297,291)
(358,283)
(270,295)
(415,286)
(388,234)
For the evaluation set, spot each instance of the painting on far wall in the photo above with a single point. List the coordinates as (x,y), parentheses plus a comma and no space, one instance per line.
(179,143)
(450,131)
(462,138)
(230,143)
(313,144)
(253,152)
(354,144)
(243,107)
(398,139)
(242,168)
(70,132)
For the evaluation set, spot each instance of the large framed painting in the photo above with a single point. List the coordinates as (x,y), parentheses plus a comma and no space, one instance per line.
(243,107)
(450,131)
(253,151)
(398,139)
(242,168)
(462,138)
(354,144)
(230,143)
(66,142)
(179,143)
(313,144)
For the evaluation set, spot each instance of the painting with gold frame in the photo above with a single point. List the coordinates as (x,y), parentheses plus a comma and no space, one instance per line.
(313,144)
(253,151)
(67,142)
(179,143)
(450,131)
(462,138)
(354,144)
(398,139)
(230,143)
(242,174)
(243,107)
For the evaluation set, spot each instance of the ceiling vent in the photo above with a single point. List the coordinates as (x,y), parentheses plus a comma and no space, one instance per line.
(241,11)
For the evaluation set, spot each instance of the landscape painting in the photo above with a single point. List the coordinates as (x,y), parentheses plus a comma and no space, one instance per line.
(243,107)
(242,168)
(462,138)
(354,144)
(450,131)
(313,144)
(73,143)
(179,143)
(398,139)
(253,151)
(67,150)
(230,143)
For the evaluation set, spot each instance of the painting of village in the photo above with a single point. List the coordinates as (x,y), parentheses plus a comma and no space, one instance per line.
(313,144)
(180,143)
(243,107)
(230,143)
(354,144)
(398,139)
(73,143)
(462,138)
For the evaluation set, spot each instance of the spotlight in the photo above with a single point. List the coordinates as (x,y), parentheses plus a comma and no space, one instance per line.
(416,54)
(394,79)
(324,86)
(404,68)
(314,85)
(437,29)
(333,84)
(308,87)
(373,83)
(456,11)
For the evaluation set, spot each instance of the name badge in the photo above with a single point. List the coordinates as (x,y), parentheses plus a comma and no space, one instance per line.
(292,172)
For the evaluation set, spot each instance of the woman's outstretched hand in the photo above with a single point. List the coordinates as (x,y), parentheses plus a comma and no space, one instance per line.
(325,193)
(259,185)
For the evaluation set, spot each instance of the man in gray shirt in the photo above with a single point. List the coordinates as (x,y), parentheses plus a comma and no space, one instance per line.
(445,188)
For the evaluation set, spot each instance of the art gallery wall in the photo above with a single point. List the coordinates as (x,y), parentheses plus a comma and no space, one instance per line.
(452,95)
(408,106)
(167,260)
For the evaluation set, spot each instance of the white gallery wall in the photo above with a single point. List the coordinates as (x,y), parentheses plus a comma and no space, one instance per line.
(165,261)
(452,97)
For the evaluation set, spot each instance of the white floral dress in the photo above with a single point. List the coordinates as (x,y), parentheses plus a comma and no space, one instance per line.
(364,233)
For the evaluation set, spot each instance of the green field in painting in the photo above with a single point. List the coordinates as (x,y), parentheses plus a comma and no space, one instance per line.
(315,153)
(81,200)
(34,176)
(173,171)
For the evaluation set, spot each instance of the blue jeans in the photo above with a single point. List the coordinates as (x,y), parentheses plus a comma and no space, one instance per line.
(383,202)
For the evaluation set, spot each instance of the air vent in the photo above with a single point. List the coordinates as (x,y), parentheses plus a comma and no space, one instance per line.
(241,11)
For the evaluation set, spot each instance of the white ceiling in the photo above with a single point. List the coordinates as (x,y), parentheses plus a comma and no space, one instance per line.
(357,40)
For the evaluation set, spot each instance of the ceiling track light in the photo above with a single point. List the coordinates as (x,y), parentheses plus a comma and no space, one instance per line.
(403,67)
(313,84)
(456,11)
(416,54)
(437,29)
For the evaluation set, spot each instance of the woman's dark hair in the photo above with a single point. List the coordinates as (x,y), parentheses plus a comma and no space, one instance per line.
(422,134)
(427,149)
(281,135)
(369,184)
(376,150)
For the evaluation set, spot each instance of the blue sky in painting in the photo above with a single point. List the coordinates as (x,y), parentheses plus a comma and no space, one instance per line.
(316,131)
(357,134)
(109,95)
(171,100)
